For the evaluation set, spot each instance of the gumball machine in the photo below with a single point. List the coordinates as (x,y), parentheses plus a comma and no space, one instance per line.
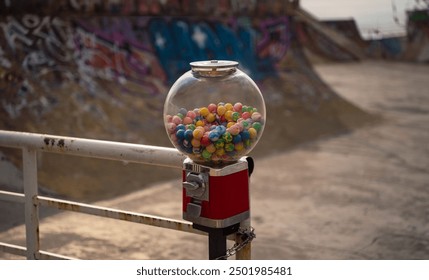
(215,114)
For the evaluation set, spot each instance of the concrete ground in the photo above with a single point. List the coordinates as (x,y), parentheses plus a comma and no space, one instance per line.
(361,195)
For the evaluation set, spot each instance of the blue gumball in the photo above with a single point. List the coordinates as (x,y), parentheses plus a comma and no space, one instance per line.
(236,139)
(245,135)
(188,134)
(221,129)
(180,126)
(180,134)
(214,136)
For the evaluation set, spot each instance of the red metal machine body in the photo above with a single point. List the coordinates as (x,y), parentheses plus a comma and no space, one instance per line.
(216,197)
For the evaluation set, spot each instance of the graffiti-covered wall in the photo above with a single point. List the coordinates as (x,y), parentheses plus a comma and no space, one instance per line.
(45,46)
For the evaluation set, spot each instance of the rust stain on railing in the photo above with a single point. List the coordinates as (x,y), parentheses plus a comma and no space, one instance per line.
(118,214)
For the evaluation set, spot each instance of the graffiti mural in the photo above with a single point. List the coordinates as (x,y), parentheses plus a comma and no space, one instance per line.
(139,55)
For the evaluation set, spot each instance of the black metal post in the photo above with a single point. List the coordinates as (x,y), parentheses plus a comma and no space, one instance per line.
(217,244)
(217,239)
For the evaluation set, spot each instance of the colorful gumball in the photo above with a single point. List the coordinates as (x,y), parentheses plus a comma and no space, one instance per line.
(183,111)
(214,136)
(187,120)
(245,135)
(236,139)
(206,154)
(200,123)
(228,115)
(229,147)
(221,129)
(177,120)
(245,115)
(210,117)
(239,146)
(256,116)
(212,108)
(204,111)
(253,133)
(180,134)
(220,152)
(191,114)
(221,110)
(171,127)
(257,126)
(205,141)
(238,106)
(235,116)
(211,148)
(219,144)
(229,107)
(234,130)
(180,126)
(191,126)
(195,143)
(188,134)
(227,137)
(198,133)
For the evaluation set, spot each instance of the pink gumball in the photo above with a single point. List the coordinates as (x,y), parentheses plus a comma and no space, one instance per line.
(171,127)
(237,107)
(187,120)
(245,115)
(212,108)
(191,114)
(177,120)
(256,117)
(168,118)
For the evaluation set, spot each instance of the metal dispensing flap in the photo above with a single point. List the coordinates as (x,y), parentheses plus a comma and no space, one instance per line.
(214,64)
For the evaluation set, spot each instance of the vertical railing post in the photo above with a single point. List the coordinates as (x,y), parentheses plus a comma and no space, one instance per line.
(31,207)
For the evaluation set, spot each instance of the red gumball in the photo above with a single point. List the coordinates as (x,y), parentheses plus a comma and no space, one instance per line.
(205,140)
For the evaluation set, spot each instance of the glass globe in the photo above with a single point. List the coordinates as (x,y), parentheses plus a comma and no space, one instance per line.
(214,113)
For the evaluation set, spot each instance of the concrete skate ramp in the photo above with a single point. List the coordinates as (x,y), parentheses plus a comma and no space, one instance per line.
(320,36)
(418,36)
(102,70)
(322,47)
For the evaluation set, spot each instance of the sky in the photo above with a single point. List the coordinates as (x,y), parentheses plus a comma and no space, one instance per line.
(373,17)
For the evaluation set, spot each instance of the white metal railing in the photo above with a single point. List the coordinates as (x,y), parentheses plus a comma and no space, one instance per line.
(32,143)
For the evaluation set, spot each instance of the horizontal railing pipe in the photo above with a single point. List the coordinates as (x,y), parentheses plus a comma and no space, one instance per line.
(12,196)
(118,214)
(146,154)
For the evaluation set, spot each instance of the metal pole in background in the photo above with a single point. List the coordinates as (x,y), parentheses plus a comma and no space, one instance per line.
(29,157)
(246,252)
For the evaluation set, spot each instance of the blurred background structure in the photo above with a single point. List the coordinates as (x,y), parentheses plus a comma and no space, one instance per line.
(102,69)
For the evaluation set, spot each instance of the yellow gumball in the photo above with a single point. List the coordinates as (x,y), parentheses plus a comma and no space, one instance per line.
(239,146)
(211,148)
(210,117)
(253,133)
(195,143)
(228,125)
(228,115)
(198,133)
(220,152)
(221,110)
(204,111)
(199,123)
